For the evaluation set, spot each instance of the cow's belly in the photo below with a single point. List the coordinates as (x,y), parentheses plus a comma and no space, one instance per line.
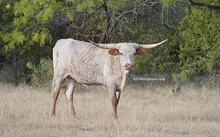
(87,78)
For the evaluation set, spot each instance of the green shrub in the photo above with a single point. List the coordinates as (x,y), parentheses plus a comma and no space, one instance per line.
(42,74)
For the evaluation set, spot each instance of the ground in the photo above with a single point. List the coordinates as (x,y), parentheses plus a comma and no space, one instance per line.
(143,112)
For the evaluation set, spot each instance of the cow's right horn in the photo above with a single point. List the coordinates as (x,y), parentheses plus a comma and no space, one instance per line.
(149,46)
(104,46)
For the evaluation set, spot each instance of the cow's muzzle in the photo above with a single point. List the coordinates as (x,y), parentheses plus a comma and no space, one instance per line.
(128,66)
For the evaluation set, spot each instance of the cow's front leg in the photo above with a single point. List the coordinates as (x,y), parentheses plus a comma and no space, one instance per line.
(114,99)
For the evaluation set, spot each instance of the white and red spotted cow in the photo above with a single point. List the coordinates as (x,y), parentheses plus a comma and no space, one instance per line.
(90,63)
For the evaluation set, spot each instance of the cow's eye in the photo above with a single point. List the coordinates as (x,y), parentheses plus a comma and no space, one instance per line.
(121,54)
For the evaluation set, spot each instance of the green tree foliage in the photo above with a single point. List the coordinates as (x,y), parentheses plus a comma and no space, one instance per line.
(26,24)
(42,74)
(199,29)
(30,24)
(150,29)
(35,26)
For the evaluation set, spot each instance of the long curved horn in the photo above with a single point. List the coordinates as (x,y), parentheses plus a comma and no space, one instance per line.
(104,46)
(149,46)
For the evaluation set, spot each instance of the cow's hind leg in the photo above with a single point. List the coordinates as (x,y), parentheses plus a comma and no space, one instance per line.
(70,85)
(55,93)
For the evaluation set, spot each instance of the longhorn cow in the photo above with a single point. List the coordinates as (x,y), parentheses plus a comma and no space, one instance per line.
(90,63)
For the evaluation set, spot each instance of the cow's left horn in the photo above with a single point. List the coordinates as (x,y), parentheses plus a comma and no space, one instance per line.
(149,46)
(104,46)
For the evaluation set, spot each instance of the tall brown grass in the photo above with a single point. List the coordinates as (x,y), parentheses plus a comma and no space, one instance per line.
(143,112)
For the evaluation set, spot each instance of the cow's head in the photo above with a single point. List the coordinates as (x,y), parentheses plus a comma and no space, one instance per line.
(127,51)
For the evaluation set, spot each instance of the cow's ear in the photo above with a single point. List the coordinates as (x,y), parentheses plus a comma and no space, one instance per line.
(114,52)
(141,51)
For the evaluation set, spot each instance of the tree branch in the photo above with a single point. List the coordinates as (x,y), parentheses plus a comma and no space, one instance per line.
(105,32)
(117,20)
(135,9)
(212,7)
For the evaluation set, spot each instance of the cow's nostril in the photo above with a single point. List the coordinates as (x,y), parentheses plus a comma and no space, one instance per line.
(128,66)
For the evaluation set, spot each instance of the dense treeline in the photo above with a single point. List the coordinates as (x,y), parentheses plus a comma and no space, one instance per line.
(30,28)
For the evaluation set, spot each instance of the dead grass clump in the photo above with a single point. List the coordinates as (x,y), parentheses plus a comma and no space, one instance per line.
(142,112)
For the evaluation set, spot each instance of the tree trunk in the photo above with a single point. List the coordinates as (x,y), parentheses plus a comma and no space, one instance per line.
(107,24)
(15,65)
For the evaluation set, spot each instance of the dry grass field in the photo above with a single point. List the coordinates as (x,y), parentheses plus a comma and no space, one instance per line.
(143,112)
